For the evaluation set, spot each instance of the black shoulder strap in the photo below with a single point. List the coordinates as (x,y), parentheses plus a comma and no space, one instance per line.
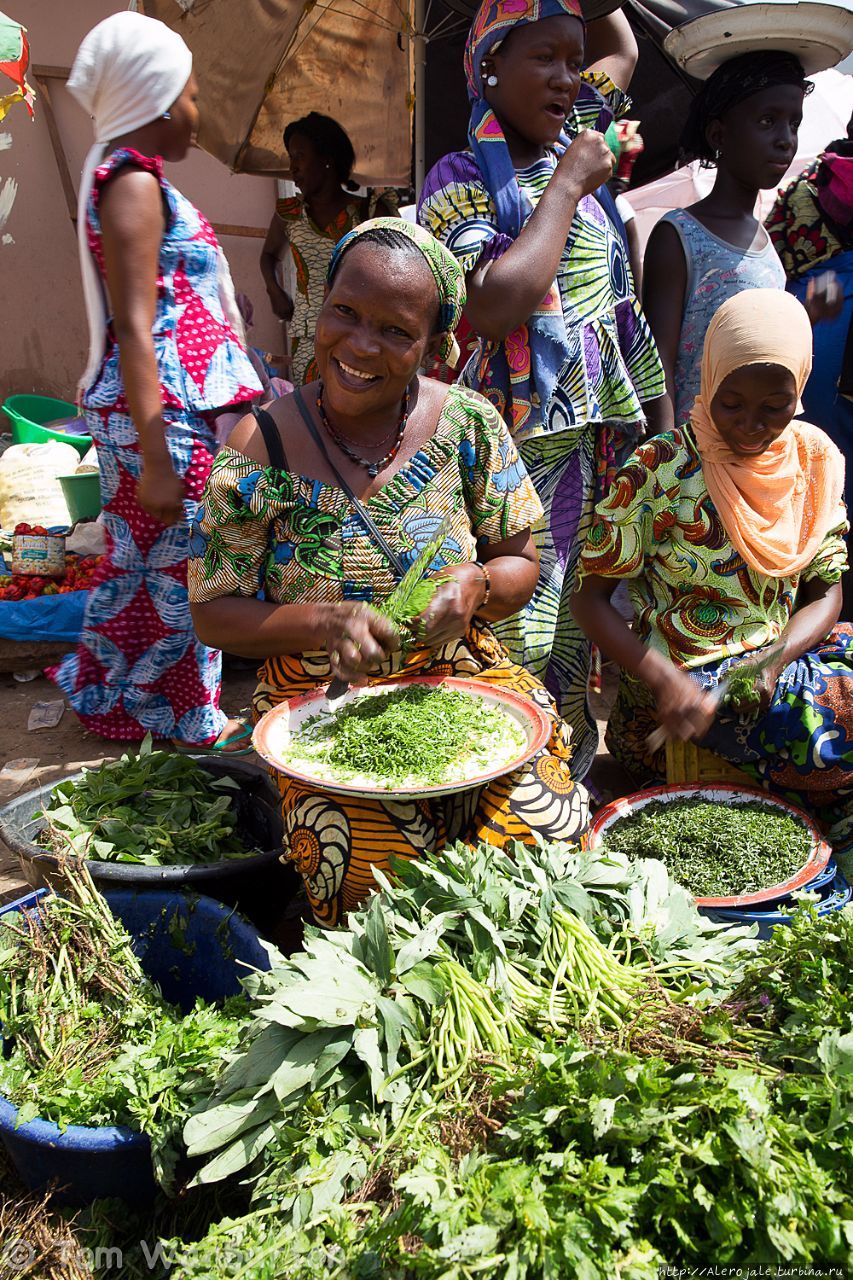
(272,438)
(365,517)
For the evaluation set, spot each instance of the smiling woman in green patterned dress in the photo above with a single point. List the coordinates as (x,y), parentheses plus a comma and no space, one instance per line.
(276,520)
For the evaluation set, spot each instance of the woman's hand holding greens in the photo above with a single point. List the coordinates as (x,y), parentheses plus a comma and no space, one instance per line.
(448,615)
(684,710)
(357,640)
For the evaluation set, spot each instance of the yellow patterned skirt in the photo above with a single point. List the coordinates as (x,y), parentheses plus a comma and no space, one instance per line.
(335,842)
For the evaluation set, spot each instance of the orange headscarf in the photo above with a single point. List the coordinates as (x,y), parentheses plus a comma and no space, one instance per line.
(779,506)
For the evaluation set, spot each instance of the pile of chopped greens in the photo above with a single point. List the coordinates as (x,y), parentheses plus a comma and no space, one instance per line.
(419,735)
(715,850)
(155,808)
(88,1039)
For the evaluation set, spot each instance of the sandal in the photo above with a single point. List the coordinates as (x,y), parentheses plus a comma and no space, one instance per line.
(222,748)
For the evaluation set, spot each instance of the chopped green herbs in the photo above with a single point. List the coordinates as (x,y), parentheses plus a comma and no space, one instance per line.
(715,850)
(742,693)
(420,735)
(156,808)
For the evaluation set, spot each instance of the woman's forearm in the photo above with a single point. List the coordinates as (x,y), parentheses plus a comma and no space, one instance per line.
(257,629)
(142,388)
(512,581)
(606,627)
(811,621)
(269,265)
(504,294)
(611,47)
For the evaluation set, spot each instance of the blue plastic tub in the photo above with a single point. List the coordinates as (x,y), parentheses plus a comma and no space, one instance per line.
(190,946)
(834,896)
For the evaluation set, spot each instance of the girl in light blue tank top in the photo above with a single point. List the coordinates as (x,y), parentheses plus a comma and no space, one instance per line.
(715,271)
(745,120)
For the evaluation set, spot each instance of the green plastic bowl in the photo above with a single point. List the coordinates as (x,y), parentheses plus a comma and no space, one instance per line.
(28,414)
(82,495)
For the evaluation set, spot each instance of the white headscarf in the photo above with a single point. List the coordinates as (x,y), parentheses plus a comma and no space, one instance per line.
(128,71)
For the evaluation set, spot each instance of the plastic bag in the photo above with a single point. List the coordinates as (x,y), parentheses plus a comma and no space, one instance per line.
(29,484)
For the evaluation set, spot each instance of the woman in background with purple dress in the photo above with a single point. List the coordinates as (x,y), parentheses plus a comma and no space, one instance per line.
(565,353)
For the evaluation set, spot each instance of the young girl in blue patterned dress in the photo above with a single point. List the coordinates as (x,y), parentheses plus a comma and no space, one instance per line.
(164,359)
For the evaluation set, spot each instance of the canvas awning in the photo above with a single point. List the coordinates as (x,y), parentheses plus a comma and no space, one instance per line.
(262,63)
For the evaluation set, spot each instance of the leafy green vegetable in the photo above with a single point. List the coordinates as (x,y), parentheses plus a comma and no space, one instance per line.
(421,734)
(800,986)
(414,592)
(607,1162)
(156,808)
(476,952)
(742,692)
(714,849)
(89,1039)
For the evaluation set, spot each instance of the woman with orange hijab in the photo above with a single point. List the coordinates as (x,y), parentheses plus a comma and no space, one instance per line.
(730,533)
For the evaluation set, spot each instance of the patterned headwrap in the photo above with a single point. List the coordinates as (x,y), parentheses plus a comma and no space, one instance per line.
(446,271)
(835,187)
(540,348)
(733,82)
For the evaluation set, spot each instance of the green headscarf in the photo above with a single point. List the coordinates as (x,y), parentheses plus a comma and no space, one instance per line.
(446,271)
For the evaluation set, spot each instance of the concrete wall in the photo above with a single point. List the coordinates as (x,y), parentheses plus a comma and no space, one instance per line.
(43,336)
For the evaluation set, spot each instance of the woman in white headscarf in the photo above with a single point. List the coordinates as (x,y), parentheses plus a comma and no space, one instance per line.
(164,359)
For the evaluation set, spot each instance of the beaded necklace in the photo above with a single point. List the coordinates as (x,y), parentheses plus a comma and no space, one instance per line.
(346,445)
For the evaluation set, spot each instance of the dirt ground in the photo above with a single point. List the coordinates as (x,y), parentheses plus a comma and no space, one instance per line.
(68,747)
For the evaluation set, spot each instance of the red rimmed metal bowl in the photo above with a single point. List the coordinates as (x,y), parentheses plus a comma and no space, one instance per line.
(273,732)
(728,794)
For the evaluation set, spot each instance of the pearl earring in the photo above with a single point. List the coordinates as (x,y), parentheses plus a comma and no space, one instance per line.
(717,154)
(491,81)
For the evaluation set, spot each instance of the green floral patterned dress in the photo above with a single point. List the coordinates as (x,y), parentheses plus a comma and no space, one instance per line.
(696,601)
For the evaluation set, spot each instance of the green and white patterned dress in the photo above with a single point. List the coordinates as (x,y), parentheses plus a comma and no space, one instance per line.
(572,445)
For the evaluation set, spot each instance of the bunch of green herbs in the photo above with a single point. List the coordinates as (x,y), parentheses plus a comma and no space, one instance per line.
(154,808)
(741,692)
(715,850)
(89,1039)
(414,592)
(471,954)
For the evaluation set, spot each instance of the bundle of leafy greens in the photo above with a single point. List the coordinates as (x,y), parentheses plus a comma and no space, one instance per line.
(742,693)
(715,850)
(477,953)
(89,1040)
(156,808)
(587,1158)
(414,592)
